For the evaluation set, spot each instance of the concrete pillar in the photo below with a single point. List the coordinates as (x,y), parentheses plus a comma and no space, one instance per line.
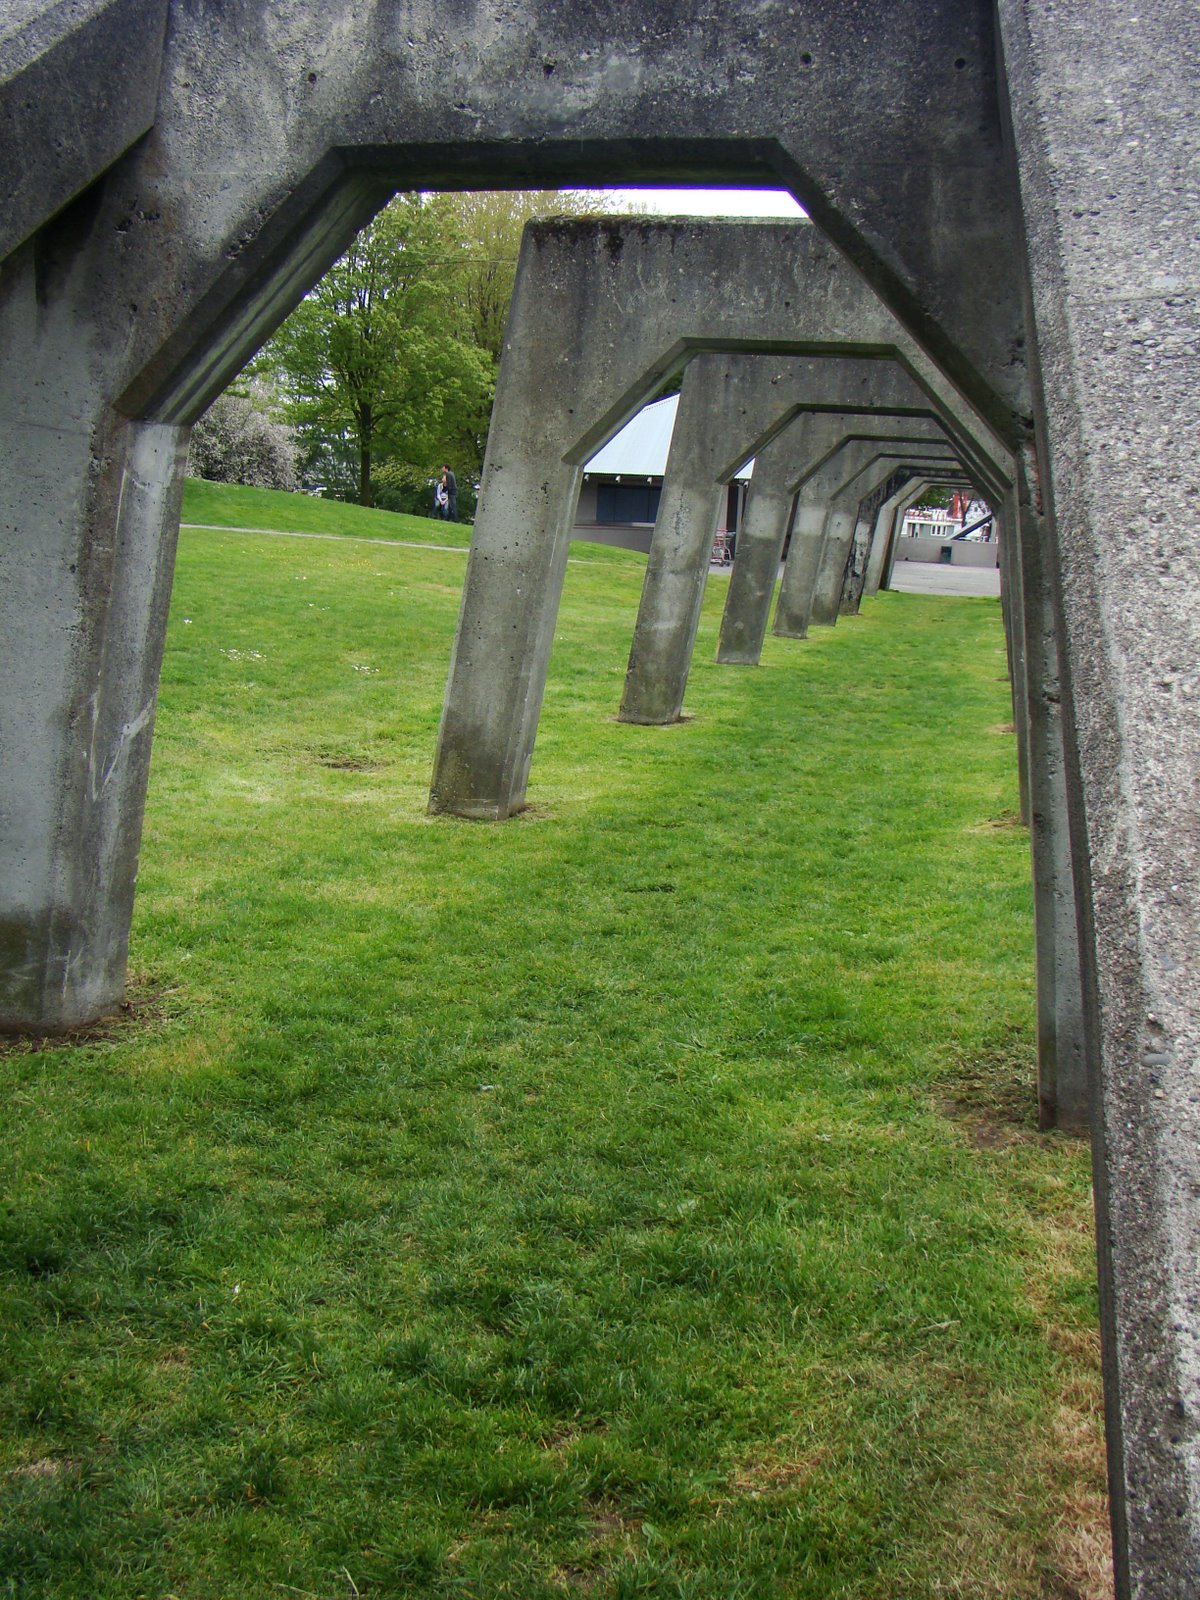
(1013,613)
(794,609)
(89,508)
(769,503)
(836,538)
(863,542)
(1107,152)
(586,343)
(1062,1055)
(893,551)
(881,538)
(680,551)
(731,406)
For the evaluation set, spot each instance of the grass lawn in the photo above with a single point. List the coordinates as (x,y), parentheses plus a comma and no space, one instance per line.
(232,506)
(639,1198)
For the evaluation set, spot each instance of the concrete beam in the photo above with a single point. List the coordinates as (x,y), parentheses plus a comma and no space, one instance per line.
(79,86)
(324,109)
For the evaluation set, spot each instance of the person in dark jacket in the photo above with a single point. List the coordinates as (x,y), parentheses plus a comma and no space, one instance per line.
(451,485)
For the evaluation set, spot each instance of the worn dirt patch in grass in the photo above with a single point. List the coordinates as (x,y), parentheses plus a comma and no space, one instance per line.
(775,1472)
(337,763)
(993,1097)
(146,1005)
(1006,821)
(609,1539)
(44,1468)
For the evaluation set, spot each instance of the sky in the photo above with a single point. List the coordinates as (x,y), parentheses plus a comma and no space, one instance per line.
(705,202)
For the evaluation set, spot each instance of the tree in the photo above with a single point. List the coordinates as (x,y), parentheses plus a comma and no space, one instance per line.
(374,356)
(237,441)
(491,223)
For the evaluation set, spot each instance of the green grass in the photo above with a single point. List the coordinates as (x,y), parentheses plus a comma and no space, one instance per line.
(233,506)
(639,1198)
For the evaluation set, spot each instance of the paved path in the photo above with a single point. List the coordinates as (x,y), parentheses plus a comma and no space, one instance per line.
(930,577)
(338,538)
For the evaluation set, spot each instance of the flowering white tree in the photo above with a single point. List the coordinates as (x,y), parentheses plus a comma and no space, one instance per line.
(236,441)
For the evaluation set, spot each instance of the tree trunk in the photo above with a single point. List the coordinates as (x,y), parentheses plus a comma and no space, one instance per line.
(366,496)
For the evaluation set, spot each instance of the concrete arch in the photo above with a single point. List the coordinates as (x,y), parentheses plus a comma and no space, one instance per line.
(982,196)
(326,109)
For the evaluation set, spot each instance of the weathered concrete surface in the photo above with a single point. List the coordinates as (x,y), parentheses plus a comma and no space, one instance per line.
(83,618)
(730,407)
(1063,1088)
(1108,146)
(78,86)
(769,502)
(602,312)
(314,99)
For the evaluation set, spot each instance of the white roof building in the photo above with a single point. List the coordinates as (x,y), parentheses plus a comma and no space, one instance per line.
(618,501)
(639,450)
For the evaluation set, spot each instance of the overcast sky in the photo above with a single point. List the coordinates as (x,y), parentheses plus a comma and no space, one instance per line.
(705,202)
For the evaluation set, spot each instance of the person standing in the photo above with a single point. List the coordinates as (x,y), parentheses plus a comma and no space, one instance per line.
(450,483)
(440,499)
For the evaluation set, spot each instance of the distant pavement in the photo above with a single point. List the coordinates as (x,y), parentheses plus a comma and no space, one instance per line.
(929,577)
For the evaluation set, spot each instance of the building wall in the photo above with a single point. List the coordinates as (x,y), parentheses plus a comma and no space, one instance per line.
(636,535)
(959,552)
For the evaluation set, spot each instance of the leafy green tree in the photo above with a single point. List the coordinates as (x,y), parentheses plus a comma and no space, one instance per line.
(490,223)
(375,357)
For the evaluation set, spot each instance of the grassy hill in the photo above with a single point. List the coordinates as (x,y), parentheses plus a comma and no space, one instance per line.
(231,505)
(640,1197)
